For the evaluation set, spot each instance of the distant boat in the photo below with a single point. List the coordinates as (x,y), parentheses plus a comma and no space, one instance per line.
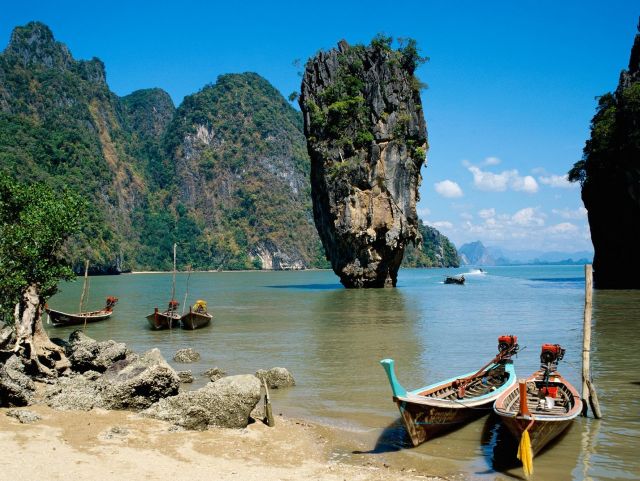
(544,404)
(454,279)
(197,316)
(170,317)
(448,404)
(59,318)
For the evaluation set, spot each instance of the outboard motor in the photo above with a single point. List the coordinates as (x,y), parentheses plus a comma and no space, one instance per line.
(550,355)
(508,345)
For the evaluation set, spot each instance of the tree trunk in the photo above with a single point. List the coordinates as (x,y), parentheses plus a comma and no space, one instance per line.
(40,356)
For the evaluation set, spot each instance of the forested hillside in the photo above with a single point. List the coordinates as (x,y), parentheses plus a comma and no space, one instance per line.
(225,175)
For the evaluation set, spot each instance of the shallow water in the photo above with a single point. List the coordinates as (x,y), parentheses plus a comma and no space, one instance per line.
(332,338)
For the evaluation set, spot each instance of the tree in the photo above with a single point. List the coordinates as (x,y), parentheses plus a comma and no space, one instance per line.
(34,224)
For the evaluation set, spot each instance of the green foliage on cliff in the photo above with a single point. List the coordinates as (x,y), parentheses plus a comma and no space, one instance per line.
(613,151)
(35,221)
(226,175)
(435,250)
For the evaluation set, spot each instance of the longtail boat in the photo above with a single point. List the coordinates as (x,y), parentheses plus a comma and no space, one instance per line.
(543,406)
(454,280)
(166,319)
(197,316)
(170,317)
(445,405)
(59,318)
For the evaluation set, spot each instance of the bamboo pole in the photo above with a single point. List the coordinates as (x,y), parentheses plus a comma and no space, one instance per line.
(589,396)
(173,288)
(84,286)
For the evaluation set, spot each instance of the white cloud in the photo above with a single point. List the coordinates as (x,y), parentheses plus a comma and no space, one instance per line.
(487,213)
(491,161)
(449,189)
(525,184)
(579,213)
(466,216)
(563,229)
(442,224)
(488,181)
(528,217)
(558,181)
(423,212)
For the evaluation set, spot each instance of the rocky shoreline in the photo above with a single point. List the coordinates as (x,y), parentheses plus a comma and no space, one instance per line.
(118,414)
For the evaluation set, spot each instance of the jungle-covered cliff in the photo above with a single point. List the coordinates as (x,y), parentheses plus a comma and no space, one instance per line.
(225,175)
(609,173)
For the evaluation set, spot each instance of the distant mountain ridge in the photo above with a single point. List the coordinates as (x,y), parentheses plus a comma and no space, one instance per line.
(225,175)
(476,253)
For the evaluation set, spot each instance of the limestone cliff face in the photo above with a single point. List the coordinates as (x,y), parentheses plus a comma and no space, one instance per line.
(366,136)
(610,178)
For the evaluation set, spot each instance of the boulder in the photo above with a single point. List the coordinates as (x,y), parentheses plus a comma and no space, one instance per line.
(23,415)
(227,403)
(16,388)
(86,353)
(185,376)
(215,373)
(137,382)
(276,377)
(74,393)
(186,355)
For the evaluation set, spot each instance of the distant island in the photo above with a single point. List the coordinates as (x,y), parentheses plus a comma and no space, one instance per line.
(476,253)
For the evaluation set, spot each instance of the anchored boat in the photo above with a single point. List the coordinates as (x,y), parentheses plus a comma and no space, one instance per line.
(59,318)
(197,316)
(543,405)
(445,405)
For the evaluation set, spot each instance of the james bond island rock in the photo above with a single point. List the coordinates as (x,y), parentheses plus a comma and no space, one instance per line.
(367,139)
(610,176)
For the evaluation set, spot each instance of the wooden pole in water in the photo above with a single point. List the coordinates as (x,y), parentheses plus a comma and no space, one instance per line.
(268,412)
(589,396)
(84,286)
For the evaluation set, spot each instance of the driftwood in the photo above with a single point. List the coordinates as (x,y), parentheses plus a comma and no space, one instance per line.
(40,356)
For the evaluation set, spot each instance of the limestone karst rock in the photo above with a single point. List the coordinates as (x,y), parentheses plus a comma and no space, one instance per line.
(610,176)
(367,139)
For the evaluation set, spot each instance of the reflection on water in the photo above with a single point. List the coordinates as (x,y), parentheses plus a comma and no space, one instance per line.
(332,340)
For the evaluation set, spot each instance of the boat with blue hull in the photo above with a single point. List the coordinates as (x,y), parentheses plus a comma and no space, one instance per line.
(446,405)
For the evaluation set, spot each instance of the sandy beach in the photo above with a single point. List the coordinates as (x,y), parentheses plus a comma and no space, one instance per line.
(117,445)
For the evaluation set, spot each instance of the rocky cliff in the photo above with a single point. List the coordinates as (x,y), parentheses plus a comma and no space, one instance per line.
(610,176)
(366,136)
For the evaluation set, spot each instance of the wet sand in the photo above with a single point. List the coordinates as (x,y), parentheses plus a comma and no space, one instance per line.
(116,445)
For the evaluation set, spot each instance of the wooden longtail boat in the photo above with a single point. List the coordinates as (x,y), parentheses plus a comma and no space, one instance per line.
(454,280)
(445,405)
(170,317)
(167,319)
(544,404)
(197,316)
(59,318)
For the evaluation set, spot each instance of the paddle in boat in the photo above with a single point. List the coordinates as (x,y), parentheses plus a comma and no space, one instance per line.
(454,280)
(539,408)
(59,318)
(197,316)
(445,405)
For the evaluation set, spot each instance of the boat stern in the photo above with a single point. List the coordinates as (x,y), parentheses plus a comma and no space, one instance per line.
(396,387)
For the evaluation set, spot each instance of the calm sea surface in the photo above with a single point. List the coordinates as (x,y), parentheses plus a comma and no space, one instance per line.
(332,338)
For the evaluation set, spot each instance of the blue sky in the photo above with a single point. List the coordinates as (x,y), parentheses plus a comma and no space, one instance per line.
(512,85)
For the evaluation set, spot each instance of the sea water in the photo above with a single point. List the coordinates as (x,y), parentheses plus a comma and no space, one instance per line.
(332,339)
